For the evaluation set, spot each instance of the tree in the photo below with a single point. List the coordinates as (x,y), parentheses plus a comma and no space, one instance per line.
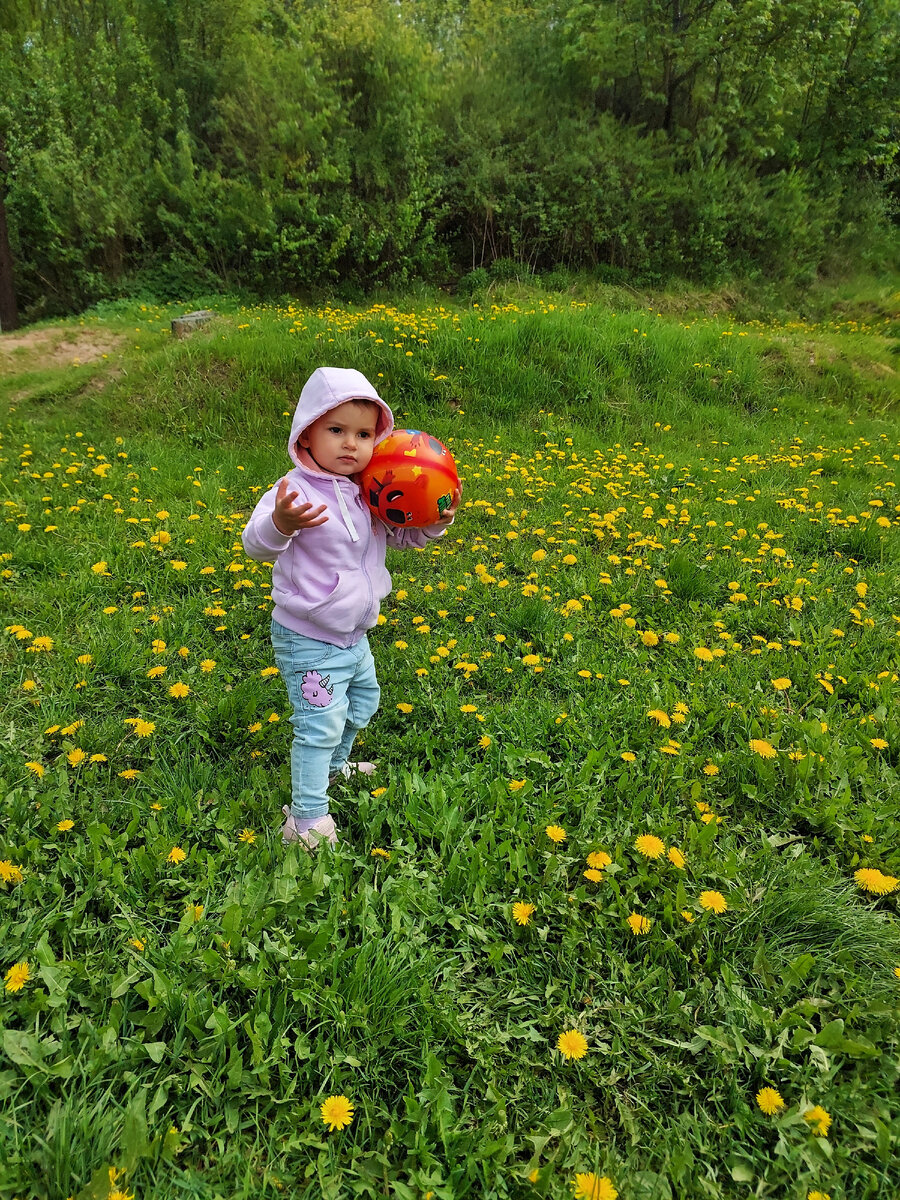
(9,314)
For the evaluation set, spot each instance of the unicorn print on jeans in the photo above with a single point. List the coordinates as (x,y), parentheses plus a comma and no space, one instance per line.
(315,690)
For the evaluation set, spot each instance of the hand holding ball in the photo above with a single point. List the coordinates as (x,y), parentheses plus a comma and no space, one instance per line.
(410,479)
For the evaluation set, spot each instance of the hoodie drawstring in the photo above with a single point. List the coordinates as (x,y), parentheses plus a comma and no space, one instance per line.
(345,512)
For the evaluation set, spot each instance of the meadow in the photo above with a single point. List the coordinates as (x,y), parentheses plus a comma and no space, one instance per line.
(618,913)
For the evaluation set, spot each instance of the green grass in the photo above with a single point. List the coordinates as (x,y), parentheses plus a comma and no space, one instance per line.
(629,500)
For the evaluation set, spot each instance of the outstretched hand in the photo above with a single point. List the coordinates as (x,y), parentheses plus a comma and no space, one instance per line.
(290,517)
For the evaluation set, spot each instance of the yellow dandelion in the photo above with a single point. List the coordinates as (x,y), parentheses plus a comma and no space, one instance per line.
(516,785)
(660,717)
(627,756)
(878,743)
(556,833)
(819,1120)
(598,859)
(65,826)
(703,653)
(593,875)
(572,1044)
(872,880)
(763,748)
(590,1187)
(649,638)
(781,684)
(710,769)
(248,836)
(769,1101)
(176,855)
(676,858)
(17,976)
(713,902)
(688,915)
(179,690)
(484,742)
(36,769)
(138,943)
(337,1112)
(639,925)
(650,845)
(522,912)
(75,757)
(405,708)
(10,872)
(207,665)
(378,852)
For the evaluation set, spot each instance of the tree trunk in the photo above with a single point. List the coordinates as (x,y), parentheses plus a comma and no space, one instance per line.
(9,315)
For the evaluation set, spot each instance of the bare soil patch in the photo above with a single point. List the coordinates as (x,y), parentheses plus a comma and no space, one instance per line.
(34,349)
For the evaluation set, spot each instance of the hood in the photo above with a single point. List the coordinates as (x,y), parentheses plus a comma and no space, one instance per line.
(325,389)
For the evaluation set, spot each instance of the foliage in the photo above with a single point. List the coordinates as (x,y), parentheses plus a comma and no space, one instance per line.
(282,146)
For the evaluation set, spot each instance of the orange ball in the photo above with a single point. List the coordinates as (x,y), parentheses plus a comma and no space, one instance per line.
(410,479)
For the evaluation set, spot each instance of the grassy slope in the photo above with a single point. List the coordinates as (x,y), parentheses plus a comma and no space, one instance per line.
(404,983)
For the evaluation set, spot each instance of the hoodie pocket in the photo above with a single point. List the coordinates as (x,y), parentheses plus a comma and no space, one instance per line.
(343,608)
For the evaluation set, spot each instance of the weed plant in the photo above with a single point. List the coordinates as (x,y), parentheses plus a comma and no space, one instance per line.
(638,770)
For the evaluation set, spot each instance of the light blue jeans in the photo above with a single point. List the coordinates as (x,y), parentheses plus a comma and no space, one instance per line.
(334,694)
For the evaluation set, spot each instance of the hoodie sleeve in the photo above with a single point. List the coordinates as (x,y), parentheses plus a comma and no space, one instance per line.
(261,539)
(414,539)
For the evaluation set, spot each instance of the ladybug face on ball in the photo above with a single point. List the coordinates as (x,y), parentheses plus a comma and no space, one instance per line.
(388,497)
(409,480)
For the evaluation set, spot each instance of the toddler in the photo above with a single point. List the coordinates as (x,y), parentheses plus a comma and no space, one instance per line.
(328,580)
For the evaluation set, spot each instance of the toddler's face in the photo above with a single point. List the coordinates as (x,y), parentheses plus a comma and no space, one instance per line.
(343,439)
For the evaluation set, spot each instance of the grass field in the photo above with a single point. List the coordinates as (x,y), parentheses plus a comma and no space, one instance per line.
(618,913)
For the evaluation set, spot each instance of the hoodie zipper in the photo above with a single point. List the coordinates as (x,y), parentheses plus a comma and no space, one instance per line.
(351,529)
(365,571)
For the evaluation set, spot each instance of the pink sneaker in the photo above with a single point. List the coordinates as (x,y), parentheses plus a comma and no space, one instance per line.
(348,770)
(321,830)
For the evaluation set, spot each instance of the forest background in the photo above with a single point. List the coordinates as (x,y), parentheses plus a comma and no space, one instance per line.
(151,147)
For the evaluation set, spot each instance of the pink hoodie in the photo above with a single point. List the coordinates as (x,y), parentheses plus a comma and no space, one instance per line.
(328,581)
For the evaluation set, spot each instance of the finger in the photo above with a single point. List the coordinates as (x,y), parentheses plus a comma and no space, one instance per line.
(312,524)
(303,510)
